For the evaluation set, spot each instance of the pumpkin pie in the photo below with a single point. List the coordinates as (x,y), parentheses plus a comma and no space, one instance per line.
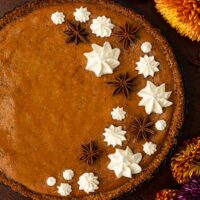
(91,99)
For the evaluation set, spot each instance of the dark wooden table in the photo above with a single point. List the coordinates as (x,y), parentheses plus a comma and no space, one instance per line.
(185,51)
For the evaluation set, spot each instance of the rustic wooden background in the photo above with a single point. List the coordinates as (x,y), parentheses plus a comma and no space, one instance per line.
(186,51)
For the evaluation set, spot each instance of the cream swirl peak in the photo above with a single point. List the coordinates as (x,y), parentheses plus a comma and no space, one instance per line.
(118,114)
(102,26)
(68,174)
(64,189)
(114,135)
(103,59)
(82,14)
(147,66)
(51,181)
(88,182)
(58,18)
(149,148)
(146,47)
(125,163)
(154,98)
(161,125)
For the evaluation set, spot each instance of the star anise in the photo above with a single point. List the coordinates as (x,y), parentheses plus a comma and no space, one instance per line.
(76,33)
(127,34)
(123,84)
(142,127)
(90,152)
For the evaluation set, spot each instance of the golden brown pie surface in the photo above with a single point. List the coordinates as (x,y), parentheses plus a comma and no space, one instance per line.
(50,104)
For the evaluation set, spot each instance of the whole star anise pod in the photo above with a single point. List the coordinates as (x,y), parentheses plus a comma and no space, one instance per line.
(123,84)
(76,33)
(142,127)
(90,152)
(126,34)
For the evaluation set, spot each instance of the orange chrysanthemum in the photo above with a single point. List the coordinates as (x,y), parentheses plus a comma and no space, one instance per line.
(184,15)
(166,194)
(186,162)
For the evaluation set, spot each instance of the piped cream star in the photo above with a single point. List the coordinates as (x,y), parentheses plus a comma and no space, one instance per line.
(114,135)
(102,26)
(102,60)
(82,14)
(154,98)
(125,163)
(58,18)
(88,182)
(149,148)
(147,66)
(64,189)
(118,113)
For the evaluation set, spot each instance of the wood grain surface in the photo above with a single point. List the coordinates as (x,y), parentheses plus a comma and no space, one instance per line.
(185,51)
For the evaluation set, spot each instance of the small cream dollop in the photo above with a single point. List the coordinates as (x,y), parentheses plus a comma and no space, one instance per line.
(114,135)
(161,125)
(149,148)
(58,17)
(64,189)
(146,47)
(102,26)
(82,14)
(51,181)
(147,66)
(68,174)
(118,114)
(88,182)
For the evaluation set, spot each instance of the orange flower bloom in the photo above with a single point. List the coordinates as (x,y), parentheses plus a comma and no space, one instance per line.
(184,15)
(166,194)
(186,162)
